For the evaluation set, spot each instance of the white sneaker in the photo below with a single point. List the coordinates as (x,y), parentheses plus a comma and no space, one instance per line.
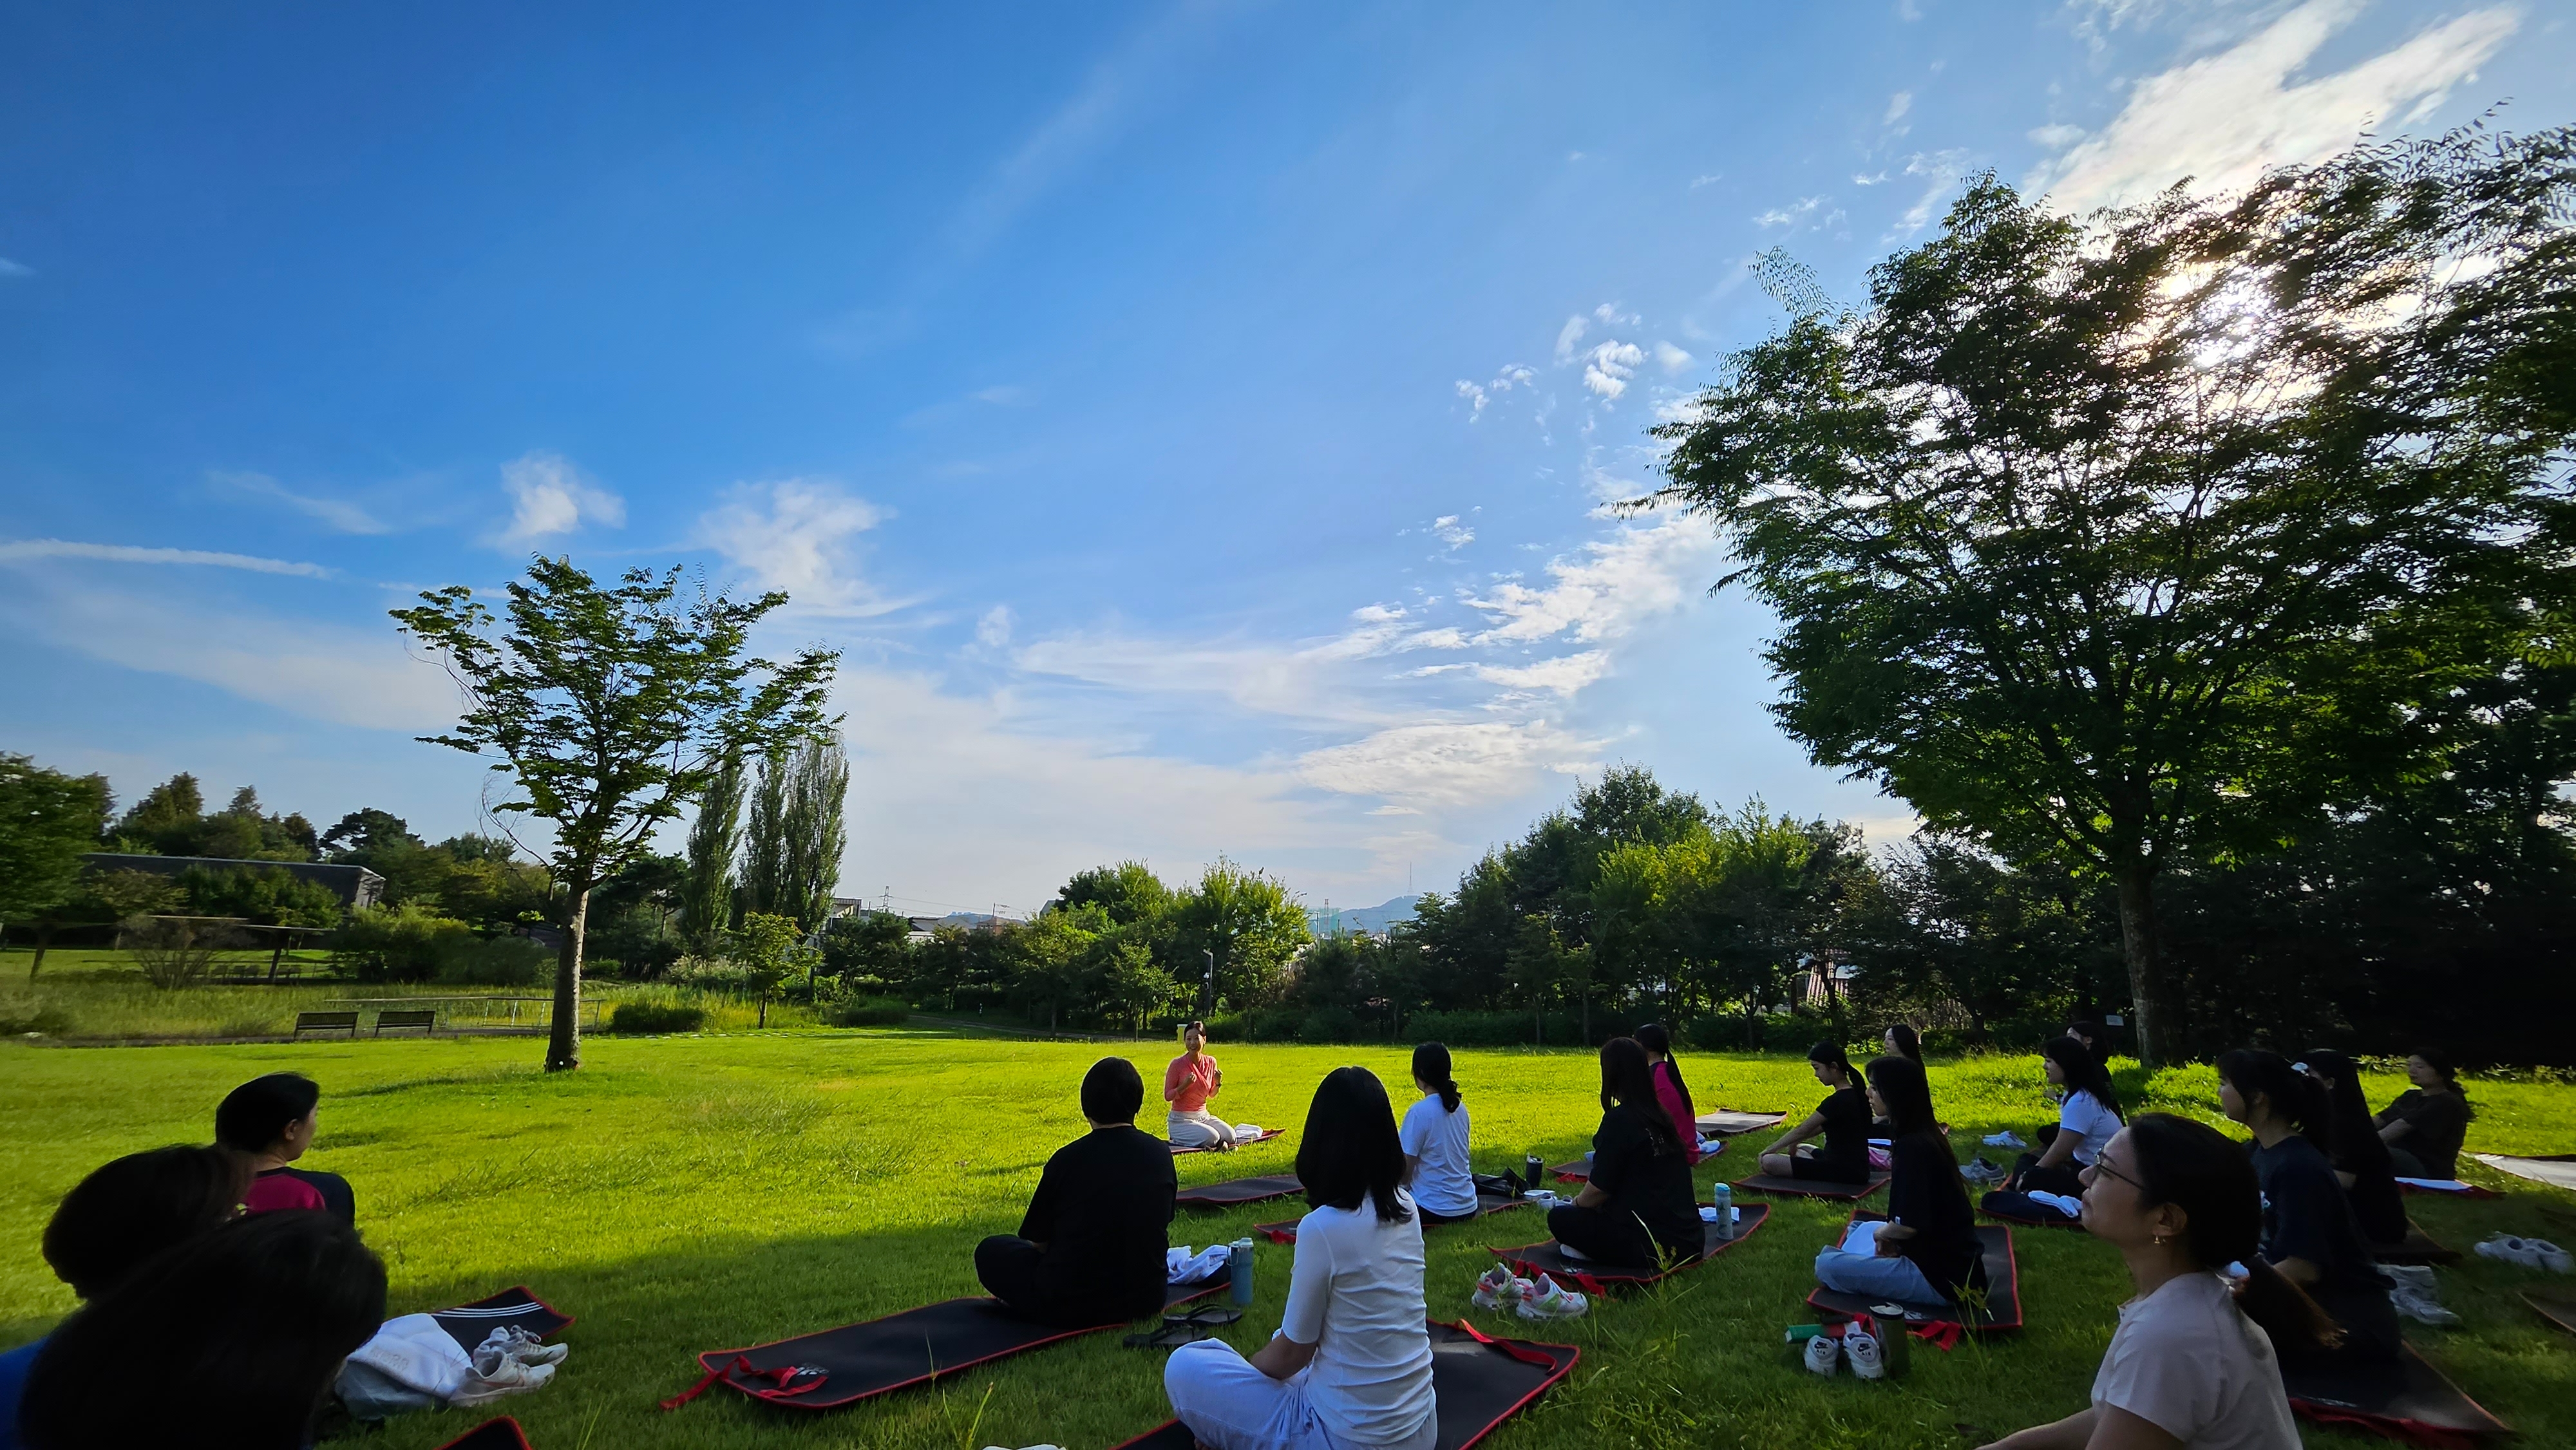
(2552,1257)
(2006,1139)
(2419,1306)
(506,1376)
(1497,1289)
(515,1341)
(1553,1301)
(1823,1353)
(2507,1249)
(1862,1350)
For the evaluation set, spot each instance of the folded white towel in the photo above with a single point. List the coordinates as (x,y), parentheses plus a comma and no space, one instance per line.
(1180,1266)
(1708,1214)
(1247,1131)
(2071,1207)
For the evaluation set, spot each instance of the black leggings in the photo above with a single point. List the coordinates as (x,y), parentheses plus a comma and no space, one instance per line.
(1613,1237)
(1430,1219)
(2029,1177)
(1010,1270)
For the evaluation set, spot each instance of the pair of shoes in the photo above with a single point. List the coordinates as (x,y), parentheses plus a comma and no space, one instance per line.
(2413,1295)
(1861,1348)
(1500,1289)
(1978,1170)
(2006,1139)
(1553,1301)
(2526,1253)
(515,1341)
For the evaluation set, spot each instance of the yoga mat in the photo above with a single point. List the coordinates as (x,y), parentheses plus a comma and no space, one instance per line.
(501,1434)
(2419,1248)
(1999,1205)
(2557,1308)
(1595,1278)
(471,1324)
(2451,1186)
(1286,1233)
(1727,1122)
(2003,1291)
(1266,1135)
(860,1361)
(2416,1405)
(1478,1382)
(2558,1170)
(1813,1187)
(1236,1191)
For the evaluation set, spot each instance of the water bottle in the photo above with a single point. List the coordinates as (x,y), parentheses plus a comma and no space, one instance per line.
(1534,1169)
(1724,1196)
(1238,1260)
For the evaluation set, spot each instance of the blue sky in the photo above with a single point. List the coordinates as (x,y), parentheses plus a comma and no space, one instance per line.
(1193,422)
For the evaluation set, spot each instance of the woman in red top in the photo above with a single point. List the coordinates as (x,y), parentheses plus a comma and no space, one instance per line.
(1670,1090)
(1188,1083)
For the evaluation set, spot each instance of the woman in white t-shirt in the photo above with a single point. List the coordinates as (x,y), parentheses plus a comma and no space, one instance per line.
(1434,1138)
(2088,1113)
(1351,1364)
(2193,1363)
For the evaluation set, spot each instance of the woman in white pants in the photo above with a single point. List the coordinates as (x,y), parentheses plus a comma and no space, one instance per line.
(1350,1368)
(1188,1083)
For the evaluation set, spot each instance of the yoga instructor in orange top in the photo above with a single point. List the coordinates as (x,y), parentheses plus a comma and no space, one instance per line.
(1188,1083)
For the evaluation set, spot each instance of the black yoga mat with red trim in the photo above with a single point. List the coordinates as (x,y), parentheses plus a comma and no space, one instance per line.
(2000,1206)
(855,1362)
(1579,1170)
(1266,1135)
(2002,1309)
(1813,1187)
(1594,1277)
(1235,1192)
(501,1434)
(2416,1405)
(1478,1382)
(1486,1203)
(471,1324)
(2419,1247)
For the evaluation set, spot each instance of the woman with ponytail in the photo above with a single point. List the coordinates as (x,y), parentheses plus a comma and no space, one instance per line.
(2309,1232)
(1434,1136)
(1843,1118)
(2196,1362)
(2361,1160)
(1670,1090)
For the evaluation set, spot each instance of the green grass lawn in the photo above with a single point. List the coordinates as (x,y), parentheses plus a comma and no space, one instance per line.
(705,1192)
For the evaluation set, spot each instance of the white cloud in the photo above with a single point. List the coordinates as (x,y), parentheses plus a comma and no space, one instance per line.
(1672,359)
(1871,180)
(1449,764)
(1570,334)
(1897,106)
(1605,589)
(16,550)
(1941,171)
(1475,397)
(1610,366)
(1450,531)
(994,629)
(1791,215)
(1564,675)
(1710,179)
(549,496)
(2224,118)
(797,534)
(15,269)
(337,514)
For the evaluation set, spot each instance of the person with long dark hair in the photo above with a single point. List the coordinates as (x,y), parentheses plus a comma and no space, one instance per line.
(239,1332)
(1926,1250)
(2088,1114)
(1670,1090)
(1434,1136)
(271,1121)
(1188,1082)
(117,1219)
(2309,1232)
(1636,1209)
(2427,1123)
(2194,1363)
(1351,1363)
(1843,1118)
(1903,1041)
(2361,1159)
(1090,1248)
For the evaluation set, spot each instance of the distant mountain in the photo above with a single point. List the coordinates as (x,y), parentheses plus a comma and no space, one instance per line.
(1361,918)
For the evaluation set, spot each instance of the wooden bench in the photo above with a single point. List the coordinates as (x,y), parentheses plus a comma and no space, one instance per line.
(425,1020)
(326,1022)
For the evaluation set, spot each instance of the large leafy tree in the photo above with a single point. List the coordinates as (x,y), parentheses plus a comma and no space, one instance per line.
(1248,921)
(2137,538)
(47,820)
(608,708)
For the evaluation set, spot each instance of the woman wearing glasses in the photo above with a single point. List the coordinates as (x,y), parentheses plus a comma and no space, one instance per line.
(2193,1362)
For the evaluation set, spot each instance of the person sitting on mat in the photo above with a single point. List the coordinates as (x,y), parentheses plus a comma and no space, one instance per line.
(1188,1083)
(112,1221)
(1843,1118)
(1090,1249)
(1351,1363)
(1636,1209)
(2425,1126)
(271,1121)
(2195,1363)
(2096,1038)
(2361,1161)
(2088,1113)
(2309,1232)
(230,1339)
(1902,1041)
(1670,1090)
(1927,1250)
(1434,1137)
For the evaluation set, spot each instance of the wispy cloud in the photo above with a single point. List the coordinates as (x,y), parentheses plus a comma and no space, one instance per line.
(1449,763)
(1608,368)
(1805,211)
(1604,590)
(2222,119)
(1897,106)
(19,550)
(799,535)
(335,514)
(15,269)
(548,496)
(1940,172)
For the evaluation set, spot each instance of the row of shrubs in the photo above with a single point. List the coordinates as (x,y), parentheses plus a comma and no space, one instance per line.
(650,1018)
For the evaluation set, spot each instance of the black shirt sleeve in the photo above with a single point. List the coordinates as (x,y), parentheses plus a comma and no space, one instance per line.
(1926,1198)
(338,1199)
(1616,1149)
(1039,1223)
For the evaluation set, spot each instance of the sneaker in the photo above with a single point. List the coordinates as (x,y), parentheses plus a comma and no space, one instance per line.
(506,1376)
(1862,1350)
(1978,1170)
(1823,1353)
(2414,1304)
(526,1348)
(2006,1139)
(2552,1257)
(1496,1290)
(1553,1301)
(2507,1249)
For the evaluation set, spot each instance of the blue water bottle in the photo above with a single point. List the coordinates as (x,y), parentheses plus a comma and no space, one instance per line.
(1239,1263)
(1724,1195)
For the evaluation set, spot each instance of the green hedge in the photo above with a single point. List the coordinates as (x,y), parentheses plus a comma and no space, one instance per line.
(653,1017)
(868,1012)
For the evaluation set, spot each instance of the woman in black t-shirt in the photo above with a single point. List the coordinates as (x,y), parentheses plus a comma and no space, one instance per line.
(1843,1118)
(2426,1125)
(2309,1232)
(2361,1161)
(1636,1211)
(1927,1248)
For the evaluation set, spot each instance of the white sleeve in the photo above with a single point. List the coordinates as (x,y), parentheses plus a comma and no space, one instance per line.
(1411,1134)
(2168,1380)
(1310,1286)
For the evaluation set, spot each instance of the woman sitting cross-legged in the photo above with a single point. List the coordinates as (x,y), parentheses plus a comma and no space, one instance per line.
(1434,1137)
(1843,1118)
(1670,1090)
(2195,1362)
(2088,1113)
(271,1121)
(2425,1126)
(2360,1156)
(1188,1083)
(1636,1210)
(2309,1231)
(1090,1249)
(1927,1249)
(1351,1363)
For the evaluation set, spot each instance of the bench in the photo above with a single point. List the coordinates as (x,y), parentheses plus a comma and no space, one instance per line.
(426,1021)
(326,1022)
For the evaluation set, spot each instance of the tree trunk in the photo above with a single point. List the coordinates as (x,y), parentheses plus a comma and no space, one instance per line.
(2159,1017)
(563,1043)
(1587,1016)
(44,939)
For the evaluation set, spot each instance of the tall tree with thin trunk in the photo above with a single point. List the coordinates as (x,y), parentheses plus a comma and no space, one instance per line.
(2138,539)
(608,709)
(715,835)
(766,852)
(818,832)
